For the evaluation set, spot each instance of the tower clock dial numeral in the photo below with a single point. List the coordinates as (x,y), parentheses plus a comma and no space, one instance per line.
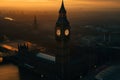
(58,32)
(67,32)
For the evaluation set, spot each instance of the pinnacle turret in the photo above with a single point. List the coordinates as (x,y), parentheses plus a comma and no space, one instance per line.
(62,19)
(62,9)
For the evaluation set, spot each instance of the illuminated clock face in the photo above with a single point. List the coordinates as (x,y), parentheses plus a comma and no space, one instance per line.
(58,32)
(67,32)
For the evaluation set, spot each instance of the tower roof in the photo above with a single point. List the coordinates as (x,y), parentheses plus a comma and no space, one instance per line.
(62,9)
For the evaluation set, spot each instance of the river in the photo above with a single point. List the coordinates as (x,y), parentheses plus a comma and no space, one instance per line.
(12,72)
(9,72)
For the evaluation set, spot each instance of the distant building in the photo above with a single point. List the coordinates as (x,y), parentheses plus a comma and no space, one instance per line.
(3,38)
(35,24)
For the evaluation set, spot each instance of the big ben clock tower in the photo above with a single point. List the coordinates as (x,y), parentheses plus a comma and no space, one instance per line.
(62,29)
(62,36)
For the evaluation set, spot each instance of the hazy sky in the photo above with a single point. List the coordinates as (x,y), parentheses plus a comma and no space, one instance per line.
(45,4)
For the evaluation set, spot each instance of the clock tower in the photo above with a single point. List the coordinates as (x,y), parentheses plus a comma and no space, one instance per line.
(62,29)
(62,36)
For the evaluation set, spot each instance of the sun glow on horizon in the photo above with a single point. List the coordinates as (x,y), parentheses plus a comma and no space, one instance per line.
(54,4)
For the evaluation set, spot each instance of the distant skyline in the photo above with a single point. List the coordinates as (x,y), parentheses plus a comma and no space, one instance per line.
(55,4)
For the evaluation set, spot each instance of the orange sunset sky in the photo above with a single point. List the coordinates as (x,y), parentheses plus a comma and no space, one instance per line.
(50,4)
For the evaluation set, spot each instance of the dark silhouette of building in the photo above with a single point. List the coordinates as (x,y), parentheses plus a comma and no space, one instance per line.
(62,29)
(22,48)
(35,24)
(62,36)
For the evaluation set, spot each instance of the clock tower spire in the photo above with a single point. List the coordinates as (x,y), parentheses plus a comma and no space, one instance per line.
(62,9)
(62,29)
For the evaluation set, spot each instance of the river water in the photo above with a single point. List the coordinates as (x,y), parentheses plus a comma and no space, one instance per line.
(10,71)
